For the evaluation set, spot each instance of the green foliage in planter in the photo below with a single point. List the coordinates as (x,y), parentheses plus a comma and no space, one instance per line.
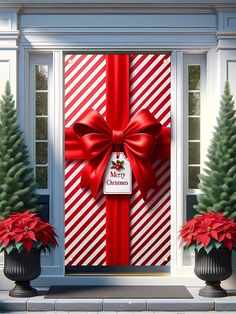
(218,183)
(17,184)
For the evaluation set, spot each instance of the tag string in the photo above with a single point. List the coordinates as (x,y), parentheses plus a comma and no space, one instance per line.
(117,151)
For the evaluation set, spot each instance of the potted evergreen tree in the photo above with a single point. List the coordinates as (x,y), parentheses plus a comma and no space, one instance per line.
(213,236)
(218,184)
(23,235)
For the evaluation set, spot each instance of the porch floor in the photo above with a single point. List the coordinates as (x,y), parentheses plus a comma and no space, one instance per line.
(39,304)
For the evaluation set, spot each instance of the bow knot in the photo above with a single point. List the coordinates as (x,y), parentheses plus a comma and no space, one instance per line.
(117,136)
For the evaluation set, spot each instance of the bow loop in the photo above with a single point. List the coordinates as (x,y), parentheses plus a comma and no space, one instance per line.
(134,142)
(94,144)
(91,122)
(143,122)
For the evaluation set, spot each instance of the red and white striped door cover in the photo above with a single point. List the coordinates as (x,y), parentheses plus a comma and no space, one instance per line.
(85,217)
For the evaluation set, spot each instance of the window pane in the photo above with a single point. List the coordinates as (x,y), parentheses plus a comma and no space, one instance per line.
(194,129)
(42,177)
(41,77)
(191,200)
(194,153)
(41,153)
(194,104)
(193,77)
(41,128)
(193,180)
(41,103)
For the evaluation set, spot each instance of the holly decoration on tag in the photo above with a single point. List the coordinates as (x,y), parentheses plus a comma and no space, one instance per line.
(118,164)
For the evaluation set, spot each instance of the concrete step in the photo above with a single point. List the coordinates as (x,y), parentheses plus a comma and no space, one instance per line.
(158,312)
(39,304)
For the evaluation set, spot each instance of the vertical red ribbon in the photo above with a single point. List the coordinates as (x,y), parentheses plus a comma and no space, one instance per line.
(117,116)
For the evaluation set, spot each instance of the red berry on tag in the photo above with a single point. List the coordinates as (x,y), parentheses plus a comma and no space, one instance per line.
(117,166)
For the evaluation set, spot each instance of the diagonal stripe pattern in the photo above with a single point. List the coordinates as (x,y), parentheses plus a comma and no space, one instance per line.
(85,217)
(85,84)
(150,220)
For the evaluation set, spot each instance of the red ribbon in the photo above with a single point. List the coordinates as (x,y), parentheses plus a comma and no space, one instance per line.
(96,142)
(93,139)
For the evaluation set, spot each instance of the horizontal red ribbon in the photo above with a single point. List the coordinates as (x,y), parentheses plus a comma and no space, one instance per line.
(161,149)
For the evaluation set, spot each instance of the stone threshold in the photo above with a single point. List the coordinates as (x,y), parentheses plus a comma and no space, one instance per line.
(40,304)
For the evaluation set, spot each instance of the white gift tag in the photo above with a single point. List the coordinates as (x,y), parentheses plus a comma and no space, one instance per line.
(118,176)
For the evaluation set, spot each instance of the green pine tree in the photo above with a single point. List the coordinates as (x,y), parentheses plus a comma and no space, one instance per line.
(17,184)
(218,184)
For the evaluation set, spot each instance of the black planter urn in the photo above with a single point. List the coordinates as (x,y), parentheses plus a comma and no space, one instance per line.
(213,268)
(22,268)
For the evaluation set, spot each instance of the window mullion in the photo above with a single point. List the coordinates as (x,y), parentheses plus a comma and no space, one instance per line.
(41,124)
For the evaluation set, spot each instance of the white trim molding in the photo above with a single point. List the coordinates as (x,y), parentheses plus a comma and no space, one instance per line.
(122,3)
(8,70)
(9,33)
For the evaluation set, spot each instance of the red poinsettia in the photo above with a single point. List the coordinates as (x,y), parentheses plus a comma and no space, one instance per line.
(26,230)
(208,230)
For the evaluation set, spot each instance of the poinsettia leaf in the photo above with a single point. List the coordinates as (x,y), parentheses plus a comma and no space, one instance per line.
(205,239)
(214,234)
(18,238)
(112,167)
(221,237)
(6,235)
(209,248)
(21,249)
(191,248)
(9,248)
(6,242)
(18,246)
(113,163)
(1,247)
(228,243)
(217,225)
(38,244)
(33,224)
(218,245)
(199,246)
(31,235)
(122,162)
(27,244)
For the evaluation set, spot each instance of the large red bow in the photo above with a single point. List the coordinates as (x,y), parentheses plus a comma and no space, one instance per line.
(97,139)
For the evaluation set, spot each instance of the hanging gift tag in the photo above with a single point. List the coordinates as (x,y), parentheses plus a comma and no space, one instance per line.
(118,175)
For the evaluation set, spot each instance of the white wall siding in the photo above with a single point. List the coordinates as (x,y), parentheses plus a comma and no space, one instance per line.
(8,49)
(183,27)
